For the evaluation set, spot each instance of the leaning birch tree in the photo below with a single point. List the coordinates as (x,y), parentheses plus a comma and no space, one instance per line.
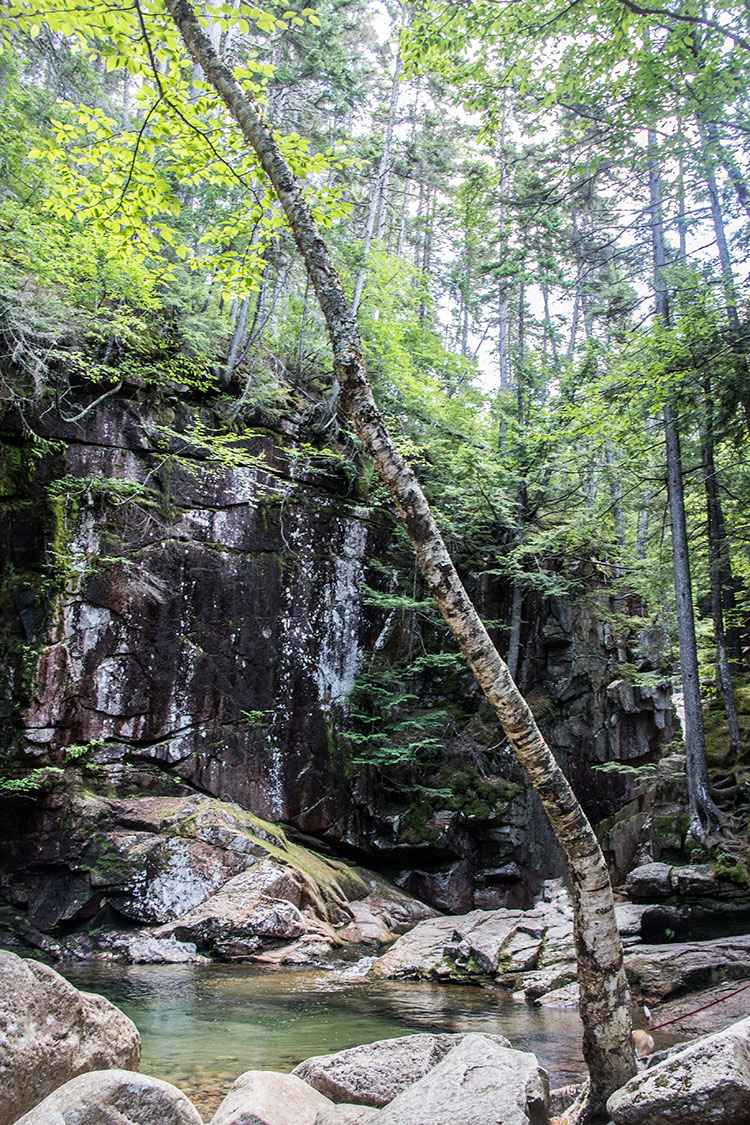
(604,994)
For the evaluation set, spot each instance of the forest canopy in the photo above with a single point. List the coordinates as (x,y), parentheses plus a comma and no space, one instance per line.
(488,207)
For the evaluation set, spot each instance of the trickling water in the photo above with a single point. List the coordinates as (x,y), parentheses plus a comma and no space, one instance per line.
(339,612)
(202,1026)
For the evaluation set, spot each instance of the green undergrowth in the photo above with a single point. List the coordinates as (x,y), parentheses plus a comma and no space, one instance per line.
(717,730)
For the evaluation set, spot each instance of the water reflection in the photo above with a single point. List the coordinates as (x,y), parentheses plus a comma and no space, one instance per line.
(201,1026)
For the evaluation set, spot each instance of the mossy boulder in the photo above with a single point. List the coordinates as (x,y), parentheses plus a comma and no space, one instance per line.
(197,869)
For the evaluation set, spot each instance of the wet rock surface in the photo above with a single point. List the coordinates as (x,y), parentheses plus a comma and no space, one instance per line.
(174,878)
(706,1011)
(50,1032)
(662,972)
(114,1097)
(346,1115)
(205,623)
(531,949)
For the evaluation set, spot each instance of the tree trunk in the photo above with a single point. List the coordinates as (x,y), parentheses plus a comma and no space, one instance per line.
(377,211)
(703,812)
(605,999)
(739,182)
(502,340)
(514,638)
(716,550)
(619,517)
(549,329)
(402,222)
(642,531)
(301,346)
(722,245)
(727,273)
(682,226)
(578,298)
(238,339)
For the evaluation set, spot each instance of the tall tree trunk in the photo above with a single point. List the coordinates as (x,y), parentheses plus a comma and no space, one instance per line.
(727,273)
(426,256)
(703,812)
(620,537)
(238,339)
(605,999)
(549,329)
(301,347)
(642,531)
(377,212)
(738,181)
(502,341)
(717,561)
(725,261)
(578,298)
(682,227)
(402,221)
(502,322)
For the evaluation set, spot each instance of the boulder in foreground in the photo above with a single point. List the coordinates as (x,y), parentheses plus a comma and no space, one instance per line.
(375,1073)
(346,1114)
(479,1082)
(50,1032)
(114,1097)
(263,1097)
(707,1083)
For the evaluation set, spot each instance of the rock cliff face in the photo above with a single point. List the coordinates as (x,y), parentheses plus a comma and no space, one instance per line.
(172,613)
(209,617)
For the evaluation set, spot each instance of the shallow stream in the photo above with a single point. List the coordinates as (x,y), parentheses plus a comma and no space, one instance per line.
(202,1026)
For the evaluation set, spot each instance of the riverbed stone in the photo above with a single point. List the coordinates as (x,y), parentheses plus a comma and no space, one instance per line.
(263,1097)
(261,903)
(694,880)
(477,1082)
(114,1097)
(566,996)
(374,1073)
(649,883)
(420,953)
(346,1114)
(516,948)
(50,1032)
(707,1083)
(660,972)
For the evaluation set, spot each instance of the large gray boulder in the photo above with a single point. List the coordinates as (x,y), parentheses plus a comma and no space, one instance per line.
(665,971)
(375,1073)
(479,1082)
(263,1097)
(346,1114)
(707,1083)
(649,883)
(114,1097)
(50,1032)
(261,903)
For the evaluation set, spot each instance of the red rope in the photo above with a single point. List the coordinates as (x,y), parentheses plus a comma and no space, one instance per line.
(695,1010)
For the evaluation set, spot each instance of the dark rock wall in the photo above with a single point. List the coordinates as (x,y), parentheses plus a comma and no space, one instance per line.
(207,617)
(169,613)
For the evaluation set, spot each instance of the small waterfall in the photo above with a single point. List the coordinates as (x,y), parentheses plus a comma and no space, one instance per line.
(339,617)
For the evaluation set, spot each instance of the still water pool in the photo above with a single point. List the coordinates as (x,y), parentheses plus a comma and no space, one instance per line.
(202,1026)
